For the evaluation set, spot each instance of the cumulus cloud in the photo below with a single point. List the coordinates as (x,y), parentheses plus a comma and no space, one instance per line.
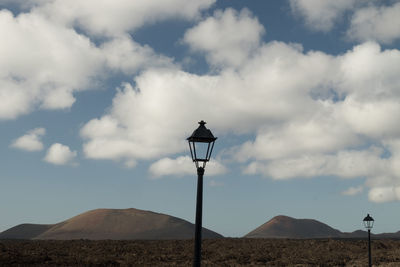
(125,55)
(311,114)
(234,36)
(377,23)
(114,18)
(42,64)
(45,61)
(304,109)
(353,191)
(321,15)
(60,154)
(345,164)
(320,133)
(124,134)
(369,20)
(30,141)
(183,166)
(384,194)
(139,121)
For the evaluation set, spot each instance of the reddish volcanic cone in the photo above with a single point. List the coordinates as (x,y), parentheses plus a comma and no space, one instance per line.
(287,227)
(116,224)
(123,224)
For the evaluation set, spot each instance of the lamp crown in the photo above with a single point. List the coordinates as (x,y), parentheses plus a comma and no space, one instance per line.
(202,134)
(368,218)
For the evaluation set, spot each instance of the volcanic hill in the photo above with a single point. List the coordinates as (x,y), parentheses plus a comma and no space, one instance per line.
(287,227)
(115,224)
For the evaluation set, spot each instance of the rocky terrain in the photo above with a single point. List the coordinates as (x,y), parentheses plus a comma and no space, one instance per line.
(216,252)
(132,237)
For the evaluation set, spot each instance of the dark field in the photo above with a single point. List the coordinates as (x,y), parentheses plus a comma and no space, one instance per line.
(220,252)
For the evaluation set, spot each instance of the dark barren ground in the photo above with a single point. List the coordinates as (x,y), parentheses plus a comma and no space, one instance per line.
(219,252)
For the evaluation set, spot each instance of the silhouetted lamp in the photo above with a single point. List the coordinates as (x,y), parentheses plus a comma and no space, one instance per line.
(369,223)
(201,144)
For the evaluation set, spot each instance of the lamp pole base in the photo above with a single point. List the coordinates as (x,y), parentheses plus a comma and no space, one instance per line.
(369,249)
(199,214)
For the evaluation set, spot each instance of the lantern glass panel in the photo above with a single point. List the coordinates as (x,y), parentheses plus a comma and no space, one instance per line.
(368,222)
(201,152)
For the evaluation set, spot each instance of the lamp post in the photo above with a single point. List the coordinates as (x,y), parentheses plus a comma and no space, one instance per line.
(201,144)
(369,223)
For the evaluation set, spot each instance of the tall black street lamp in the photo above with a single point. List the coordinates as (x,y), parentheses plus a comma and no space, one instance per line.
(201,144)
(369,223)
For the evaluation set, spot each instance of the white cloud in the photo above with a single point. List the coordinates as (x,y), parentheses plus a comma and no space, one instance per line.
(234,36)
(183,166)
(301,130)
(123,54)
(377,23)
(139,126)
(42,64)
(42,61)
(384,194)
(311,114)
(353,191)
(114,18)
(30,141)
(321,15)
(60,154)
(321,133)
(345,164)
(369,20)
(370,80)
(139,123)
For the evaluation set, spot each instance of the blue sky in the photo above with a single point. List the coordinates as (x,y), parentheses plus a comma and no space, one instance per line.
(303,95)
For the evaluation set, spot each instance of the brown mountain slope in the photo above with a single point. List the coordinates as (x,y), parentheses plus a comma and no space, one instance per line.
(114,224)
(25,231)
(287,227)
(395,235)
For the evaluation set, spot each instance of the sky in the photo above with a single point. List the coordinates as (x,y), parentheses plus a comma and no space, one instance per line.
(98,98)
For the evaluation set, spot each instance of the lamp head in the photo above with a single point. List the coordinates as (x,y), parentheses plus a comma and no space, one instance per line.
(201,144)
(368,222)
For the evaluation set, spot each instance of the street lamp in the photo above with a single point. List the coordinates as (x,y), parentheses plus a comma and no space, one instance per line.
(201,144)
(369,223)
